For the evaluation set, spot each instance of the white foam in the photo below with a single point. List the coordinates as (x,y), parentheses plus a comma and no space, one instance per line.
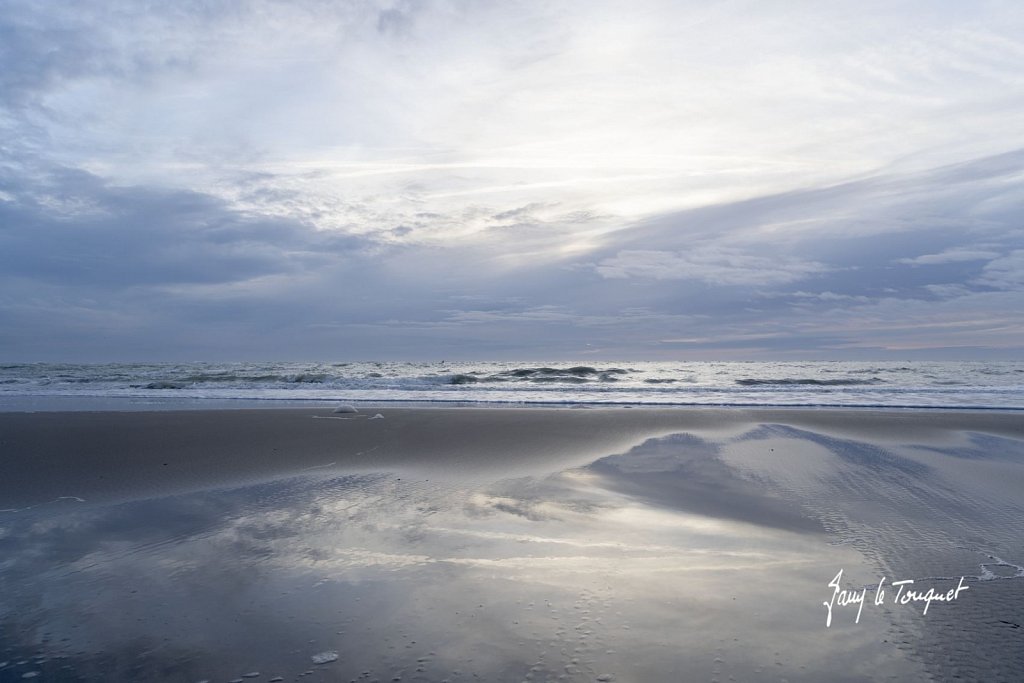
(325,657)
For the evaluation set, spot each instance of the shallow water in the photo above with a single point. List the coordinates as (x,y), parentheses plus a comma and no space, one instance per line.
(688,557)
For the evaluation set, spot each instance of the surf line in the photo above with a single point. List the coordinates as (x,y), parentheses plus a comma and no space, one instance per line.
(904,595)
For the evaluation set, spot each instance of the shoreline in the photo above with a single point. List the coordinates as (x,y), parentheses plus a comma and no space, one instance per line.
(101,404)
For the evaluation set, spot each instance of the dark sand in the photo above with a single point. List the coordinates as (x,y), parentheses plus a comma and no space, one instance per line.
(508,544)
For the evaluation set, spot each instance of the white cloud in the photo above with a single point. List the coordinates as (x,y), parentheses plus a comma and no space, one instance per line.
(714,265)
(956,255)
(829,296)
(364,114)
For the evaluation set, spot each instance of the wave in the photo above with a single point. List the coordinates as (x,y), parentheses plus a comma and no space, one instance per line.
(225,378)
(162,385)
(877,370)
(306,378)
(577,374)
(753,382)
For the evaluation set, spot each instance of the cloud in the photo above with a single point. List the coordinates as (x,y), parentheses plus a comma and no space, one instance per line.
(714,265)
(442,179)
(950,256)
(370,112)
(1006,272)
(949,291)
(74,229)
(827,296)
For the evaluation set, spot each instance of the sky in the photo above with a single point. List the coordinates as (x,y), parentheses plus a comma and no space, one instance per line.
(470,179)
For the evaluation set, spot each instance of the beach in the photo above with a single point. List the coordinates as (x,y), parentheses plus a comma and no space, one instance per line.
(511,544)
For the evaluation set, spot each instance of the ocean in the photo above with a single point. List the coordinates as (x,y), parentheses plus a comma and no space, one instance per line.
(954,385)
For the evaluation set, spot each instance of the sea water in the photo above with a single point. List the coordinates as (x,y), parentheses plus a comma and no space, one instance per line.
(974,385)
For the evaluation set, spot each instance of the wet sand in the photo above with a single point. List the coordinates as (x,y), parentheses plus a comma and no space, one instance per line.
(509,544)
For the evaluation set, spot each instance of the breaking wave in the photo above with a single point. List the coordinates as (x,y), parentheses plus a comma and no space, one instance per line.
(753,382)
(577,374)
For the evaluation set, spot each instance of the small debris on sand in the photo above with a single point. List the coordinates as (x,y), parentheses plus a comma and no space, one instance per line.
(324,657)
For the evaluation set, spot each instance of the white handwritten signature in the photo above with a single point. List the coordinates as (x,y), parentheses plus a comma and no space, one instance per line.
(904,595)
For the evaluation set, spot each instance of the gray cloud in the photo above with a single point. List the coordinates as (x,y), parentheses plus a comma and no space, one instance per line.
(155,269)
(82,231)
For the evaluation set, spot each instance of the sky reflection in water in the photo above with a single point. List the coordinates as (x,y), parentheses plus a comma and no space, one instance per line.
(632,568)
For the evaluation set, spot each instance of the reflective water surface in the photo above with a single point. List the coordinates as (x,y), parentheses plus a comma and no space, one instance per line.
(687,558)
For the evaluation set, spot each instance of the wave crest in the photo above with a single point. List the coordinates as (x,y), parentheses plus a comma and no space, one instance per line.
(752,382)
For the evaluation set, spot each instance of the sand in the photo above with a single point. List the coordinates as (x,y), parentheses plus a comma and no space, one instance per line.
(510,544)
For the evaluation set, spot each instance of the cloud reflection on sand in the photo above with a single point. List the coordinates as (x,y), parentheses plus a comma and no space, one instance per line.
(626,569)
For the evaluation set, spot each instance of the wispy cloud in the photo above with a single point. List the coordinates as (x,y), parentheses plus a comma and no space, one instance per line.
(951,256)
